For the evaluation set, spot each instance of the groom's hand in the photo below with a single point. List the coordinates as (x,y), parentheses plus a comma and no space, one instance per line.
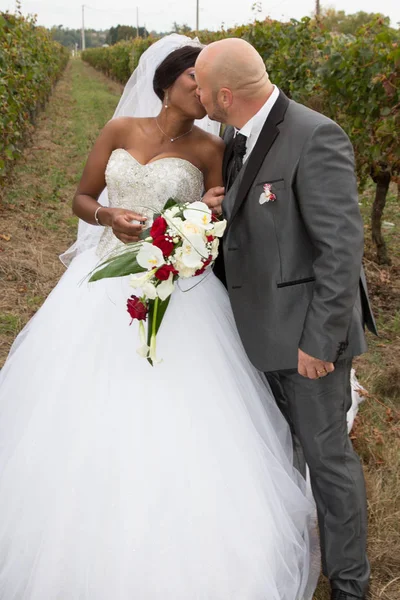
(313,368)
(213,198)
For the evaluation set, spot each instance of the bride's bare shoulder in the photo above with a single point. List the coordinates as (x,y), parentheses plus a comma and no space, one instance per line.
(127,123)
(122,130)
(209,142)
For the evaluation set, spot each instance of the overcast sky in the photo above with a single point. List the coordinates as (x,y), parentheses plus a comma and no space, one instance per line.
(159,15)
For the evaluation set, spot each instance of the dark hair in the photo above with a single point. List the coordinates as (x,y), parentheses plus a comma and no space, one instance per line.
(173,66)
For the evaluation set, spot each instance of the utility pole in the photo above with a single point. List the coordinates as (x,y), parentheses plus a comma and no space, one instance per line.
(317,8)
(83,27)
(137,21)
(197,15)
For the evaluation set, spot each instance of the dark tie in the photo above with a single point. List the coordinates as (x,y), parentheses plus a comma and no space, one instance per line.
(235,163)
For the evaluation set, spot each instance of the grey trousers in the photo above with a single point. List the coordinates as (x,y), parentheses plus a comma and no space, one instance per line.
(316,412)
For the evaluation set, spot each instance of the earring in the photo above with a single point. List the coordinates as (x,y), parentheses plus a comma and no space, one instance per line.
(166,100)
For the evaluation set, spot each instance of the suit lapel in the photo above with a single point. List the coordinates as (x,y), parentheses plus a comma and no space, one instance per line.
(267,137)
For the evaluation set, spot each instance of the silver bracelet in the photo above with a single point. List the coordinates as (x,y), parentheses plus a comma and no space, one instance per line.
(95,216)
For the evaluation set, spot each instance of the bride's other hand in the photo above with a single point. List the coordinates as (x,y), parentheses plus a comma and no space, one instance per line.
(120,221)
(213,198)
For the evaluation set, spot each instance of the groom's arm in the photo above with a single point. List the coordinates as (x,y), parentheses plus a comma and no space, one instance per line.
(326,189)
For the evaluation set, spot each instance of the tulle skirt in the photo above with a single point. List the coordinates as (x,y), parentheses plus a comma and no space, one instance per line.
(122,481)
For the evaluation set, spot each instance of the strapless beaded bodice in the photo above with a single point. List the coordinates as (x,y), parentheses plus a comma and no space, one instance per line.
(146,188)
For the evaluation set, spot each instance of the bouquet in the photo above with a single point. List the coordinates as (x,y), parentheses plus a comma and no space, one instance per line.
(181,243)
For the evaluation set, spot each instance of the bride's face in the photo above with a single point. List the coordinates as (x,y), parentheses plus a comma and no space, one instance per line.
(182,94)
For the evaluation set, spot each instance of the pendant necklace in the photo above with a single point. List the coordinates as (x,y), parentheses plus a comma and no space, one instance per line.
(175,138)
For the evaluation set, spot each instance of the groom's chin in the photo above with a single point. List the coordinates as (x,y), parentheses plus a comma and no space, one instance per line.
(215,118)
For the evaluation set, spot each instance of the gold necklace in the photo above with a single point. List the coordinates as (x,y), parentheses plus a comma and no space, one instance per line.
(170,138)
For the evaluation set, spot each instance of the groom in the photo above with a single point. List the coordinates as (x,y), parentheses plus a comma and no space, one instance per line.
(292,258)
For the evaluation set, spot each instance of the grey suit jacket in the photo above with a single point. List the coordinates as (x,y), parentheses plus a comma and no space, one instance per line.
(293,266)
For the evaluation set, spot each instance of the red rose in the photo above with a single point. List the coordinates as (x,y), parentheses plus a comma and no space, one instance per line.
(205,265)
(165,245)
(210,238)
(136,308)
(164,272)
(214,218)
(158,228)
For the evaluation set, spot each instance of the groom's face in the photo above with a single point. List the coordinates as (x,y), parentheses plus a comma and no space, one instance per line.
(209,97)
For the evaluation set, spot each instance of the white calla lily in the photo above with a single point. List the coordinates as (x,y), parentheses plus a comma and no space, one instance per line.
(149,290)
(165,288)
(214,248)
(140,279)
(219,228)
(172,212)
(149,256)
(153,351)
(144,349)
(199,213)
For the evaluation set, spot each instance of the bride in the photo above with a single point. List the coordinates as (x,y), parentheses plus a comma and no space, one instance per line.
(119,480)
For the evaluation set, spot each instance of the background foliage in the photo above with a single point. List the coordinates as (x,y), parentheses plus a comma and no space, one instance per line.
(30,63)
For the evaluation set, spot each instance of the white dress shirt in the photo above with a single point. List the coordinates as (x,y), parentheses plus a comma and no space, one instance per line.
(253,127)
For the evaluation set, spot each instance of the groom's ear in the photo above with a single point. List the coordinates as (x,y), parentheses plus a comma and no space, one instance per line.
(225,98)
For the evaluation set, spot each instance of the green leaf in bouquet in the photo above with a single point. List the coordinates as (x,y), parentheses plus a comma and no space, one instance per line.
(117,266)
(145,233)
(170,203)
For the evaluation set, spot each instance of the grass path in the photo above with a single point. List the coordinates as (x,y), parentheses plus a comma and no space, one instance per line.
(36,225)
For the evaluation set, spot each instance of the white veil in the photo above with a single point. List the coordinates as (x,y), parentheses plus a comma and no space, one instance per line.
(137,100)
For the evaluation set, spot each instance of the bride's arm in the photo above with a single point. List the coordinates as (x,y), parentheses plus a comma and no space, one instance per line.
(93,183)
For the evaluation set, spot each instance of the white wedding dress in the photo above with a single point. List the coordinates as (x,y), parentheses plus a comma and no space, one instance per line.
(120,481)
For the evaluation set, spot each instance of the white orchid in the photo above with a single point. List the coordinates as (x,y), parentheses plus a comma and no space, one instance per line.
(193,250)
(184,271)
(191,228)
(150,257)
(199,213)
(165,288)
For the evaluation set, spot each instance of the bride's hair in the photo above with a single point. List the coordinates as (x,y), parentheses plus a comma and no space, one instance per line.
(173,66)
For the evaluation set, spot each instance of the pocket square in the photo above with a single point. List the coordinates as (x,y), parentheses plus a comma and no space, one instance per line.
(267,195)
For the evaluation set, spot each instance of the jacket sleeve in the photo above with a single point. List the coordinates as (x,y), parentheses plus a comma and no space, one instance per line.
(326,189)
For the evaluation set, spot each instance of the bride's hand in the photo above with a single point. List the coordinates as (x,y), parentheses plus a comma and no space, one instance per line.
(120,221)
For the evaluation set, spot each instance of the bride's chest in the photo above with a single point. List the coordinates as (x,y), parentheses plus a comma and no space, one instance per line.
(130,183)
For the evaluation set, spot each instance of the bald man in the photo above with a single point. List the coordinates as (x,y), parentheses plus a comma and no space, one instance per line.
(292,256)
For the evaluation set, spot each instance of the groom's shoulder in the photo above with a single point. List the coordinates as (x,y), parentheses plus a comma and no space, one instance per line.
(308,118)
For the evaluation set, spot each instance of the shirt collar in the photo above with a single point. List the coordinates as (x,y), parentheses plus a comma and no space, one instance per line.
(255,124)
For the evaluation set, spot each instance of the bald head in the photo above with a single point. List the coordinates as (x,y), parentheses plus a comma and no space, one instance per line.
(233,63)
(232,81)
